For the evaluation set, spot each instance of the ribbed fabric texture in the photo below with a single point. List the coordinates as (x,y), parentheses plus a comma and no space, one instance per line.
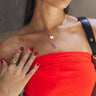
(63,74)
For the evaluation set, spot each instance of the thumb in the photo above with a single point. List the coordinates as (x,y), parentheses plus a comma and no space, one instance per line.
(5,66)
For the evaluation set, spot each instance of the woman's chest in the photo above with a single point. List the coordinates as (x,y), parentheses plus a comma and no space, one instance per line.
(63,42)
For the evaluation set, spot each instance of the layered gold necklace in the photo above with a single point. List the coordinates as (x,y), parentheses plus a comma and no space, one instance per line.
(51,37)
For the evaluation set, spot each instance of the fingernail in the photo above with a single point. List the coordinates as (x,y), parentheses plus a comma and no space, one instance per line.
(35,53)
(1,61)
(38,64)
(31,49)
(21,48)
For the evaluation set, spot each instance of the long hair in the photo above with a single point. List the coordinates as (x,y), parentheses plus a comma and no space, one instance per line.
(29,11)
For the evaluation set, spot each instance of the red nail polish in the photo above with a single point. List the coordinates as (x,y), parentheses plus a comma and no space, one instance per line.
(1,61)
(31,49)
(21,48)
(35,53)
(38,64)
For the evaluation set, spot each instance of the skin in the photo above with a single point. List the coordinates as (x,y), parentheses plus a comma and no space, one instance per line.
(48,18)
(18,77)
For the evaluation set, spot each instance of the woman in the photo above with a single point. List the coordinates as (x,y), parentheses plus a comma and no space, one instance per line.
(67,44)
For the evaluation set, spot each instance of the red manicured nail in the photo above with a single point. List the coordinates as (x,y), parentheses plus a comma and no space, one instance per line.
(21,48)
(38,64)
(31,49)
(35,53)
(1,61)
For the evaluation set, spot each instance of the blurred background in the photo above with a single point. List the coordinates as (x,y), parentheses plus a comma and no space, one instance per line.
(12,14)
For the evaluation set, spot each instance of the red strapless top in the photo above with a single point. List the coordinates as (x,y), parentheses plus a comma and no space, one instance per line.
(63,74)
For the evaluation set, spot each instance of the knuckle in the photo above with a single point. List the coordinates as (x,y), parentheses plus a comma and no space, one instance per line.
(28,64)
(32,58)
(16,73)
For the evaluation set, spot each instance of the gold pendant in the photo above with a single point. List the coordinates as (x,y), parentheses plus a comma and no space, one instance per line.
(51,37)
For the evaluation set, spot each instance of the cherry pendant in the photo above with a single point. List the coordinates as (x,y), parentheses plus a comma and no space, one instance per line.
(53,46)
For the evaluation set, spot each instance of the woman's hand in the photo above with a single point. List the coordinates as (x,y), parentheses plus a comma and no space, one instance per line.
(13,78)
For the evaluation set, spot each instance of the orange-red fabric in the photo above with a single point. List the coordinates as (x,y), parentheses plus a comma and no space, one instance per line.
(63,74)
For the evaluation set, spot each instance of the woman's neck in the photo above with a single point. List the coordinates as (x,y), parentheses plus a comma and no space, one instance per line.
(46,17)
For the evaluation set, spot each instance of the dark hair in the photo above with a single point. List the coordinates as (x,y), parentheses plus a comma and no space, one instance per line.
(29,11)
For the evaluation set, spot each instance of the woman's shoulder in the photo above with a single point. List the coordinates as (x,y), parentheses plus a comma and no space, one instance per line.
(91,20)
(11,44)
(8,47)
(12,38)
(93,25)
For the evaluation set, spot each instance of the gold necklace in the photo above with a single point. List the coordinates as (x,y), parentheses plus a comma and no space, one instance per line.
(51,37)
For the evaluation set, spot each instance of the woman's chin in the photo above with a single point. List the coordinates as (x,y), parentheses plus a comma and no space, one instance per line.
(60,4)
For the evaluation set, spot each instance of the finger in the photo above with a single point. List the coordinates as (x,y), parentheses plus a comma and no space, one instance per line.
(16,57)
(32,72)
(25,58)
(5,66)
(29,63)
